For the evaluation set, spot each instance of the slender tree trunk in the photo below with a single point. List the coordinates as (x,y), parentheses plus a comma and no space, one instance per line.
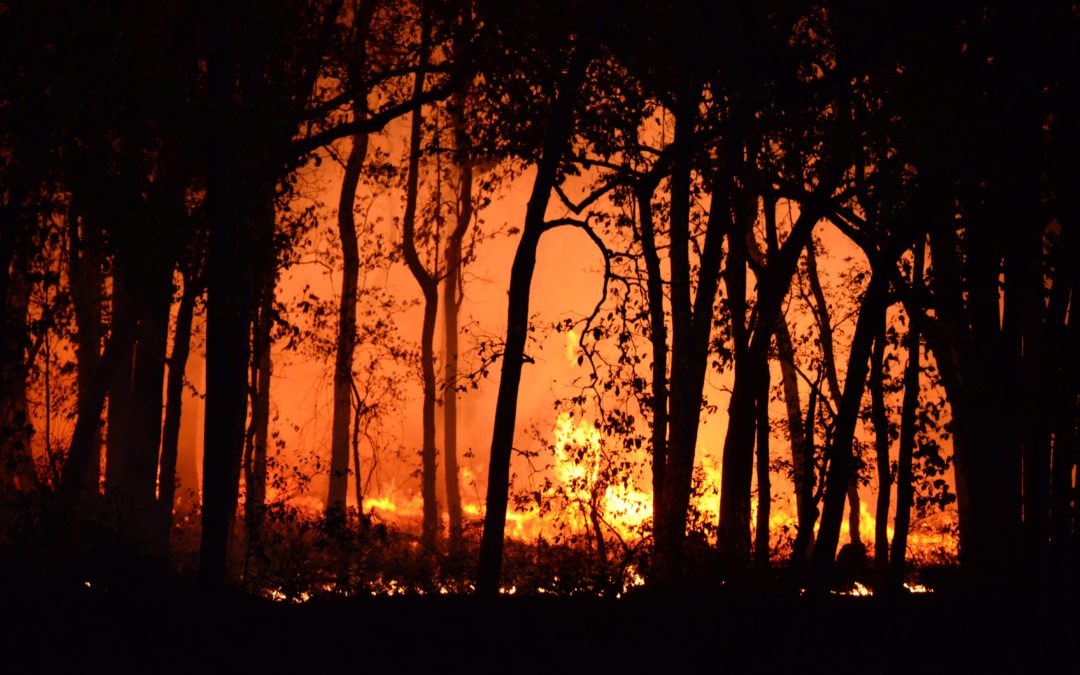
(346,337)
(669,511)
(691,328)
(227,357)
(450,408)
(742,248)
(808,513)
(358,483)
(451,308)
(823,316)
(881,448)
(761,534)
(734,533)
(658,339)
(905,489)
(178,363)
(824,320)
(258,431)
(839,453)
(429,286)
(793,405)
(139,498)
(344,387)
(121,398)
(802,470)
(556,139)
(86,298)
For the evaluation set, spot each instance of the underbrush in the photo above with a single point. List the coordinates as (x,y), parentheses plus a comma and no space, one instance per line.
(295,555)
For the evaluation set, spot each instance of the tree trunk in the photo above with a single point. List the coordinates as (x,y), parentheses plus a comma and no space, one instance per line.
(691,328)
(121,398)
(242,180)
(175,393)
(556,139)
(229,296)
(971,352)
(669,512)
(89,409)
(138,496)
(881,448)
(802,461)
(803,546)
(905,489)
(429,286)
(823,318)
(802,471)
(451,308)
(761,534)
(358,483)
(86,298)
(450,409)
(346,337)
(839,453)
(258,430)
(734,533)
(658,339)
(742,248)
(350,255)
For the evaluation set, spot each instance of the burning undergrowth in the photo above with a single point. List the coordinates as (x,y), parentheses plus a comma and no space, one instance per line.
(296,554)
(296,557)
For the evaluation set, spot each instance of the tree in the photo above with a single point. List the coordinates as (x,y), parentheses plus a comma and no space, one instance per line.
(556,140)
(346,340)
(247,107)
(453,294)
(904,474)
(350,255)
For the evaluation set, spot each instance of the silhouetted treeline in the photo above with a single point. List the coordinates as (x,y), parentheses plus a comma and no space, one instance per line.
(149,161)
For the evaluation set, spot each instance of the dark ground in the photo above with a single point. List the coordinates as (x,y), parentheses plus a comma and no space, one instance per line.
(50,629)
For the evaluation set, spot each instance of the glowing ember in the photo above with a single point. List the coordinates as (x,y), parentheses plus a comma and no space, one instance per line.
(277,595)
(857,590)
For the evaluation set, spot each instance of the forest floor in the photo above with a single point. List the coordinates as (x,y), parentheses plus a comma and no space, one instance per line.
(173,629)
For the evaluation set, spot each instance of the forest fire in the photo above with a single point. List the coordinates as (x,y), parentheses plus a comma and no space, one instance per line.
(437,326)
(573,488)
